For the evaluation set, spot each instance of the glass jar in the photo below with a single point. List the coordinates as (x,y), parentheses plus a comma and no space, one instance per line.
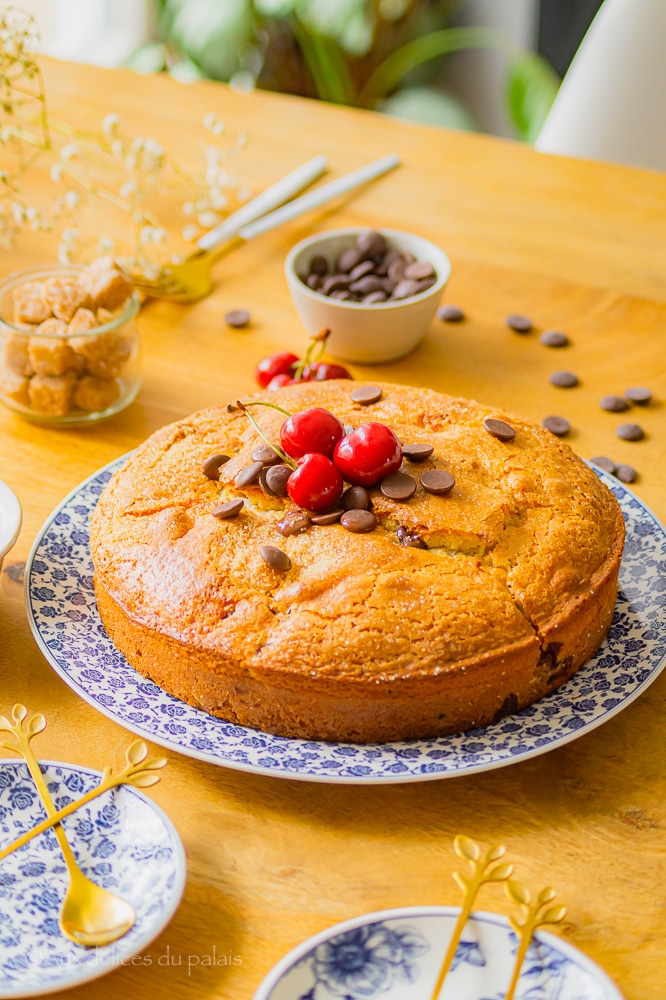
(61,374)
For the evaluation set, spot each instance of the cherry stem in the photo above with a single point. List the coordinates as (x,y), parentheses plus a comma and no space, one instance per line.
(276,447)
(318,343)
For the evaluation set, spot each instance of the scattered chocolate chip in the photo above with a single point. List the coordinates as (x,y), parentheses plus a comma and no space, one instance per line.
(366,394)
(630,432)
(211,467)
(438,481)
(237,318)
(639,395)
(356,498)
(276,479)
(328,517)
(399,486)
(607,464)
(419,269)
(276,558)
(365,267)
(626,473)
(417,452)
(248,475)
(559,426)
(410,539)
(613,404)
(554,338)
(450,314)
(405,289)
(319,266)
(564,380)
(521,324)
(348,260)
(499,429)
(229,509)
(265,454)
(358,521)
(293,523)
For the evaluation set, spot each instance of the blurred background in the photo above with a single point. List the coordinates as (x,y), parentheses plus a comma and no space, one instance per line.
(487,65)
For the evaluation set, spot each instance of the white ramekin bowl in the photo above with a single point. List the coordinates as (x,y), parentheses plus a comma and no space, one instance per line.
(360,332)
(10,519)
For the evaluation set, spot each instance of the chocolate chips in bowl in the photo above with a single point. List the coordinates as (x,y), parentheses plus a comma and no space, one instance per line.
(376,290)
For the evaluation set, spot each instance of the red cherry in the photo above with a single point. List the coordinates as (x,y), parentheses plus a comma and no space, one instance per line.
(368,454)
(323,370)
(278,381)
(275,364)
(314,430)
(315,484)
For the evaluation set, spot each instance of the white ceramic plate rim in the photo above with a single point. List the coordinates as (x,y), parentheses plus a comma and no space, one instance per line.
(121,949)
(278,971)
(10,513)
(376,779)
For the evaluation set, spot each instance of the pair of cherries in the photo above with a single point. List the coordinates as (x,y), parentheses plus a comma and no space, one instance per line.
(286,368)
(326,456)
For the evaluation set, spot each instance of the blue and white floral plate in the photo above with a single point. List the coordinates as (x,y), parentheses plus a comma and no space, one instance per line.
(121,840)
(68,629)
(397,955)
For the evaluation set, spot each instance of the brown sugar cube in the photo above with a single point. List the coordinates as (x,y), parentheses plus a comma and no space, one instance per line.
(15,354)
(105,354)
(65,295)
(30,306)
(105,316)
(50,354)
(14,386)
(94,394)
(82,320)
(52,394)
(106,283)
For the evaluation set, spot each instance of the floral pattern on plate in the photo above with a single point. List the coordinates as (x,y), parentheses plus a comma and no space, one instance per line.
(65,621)
(121,840)
(397,954)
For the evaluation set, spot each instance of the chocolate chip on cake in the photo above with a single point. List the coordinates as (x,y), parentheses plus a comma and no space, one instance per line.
(519,323)
(276,479)
(399,486)
(607,464)
(626,473)
(237,318)
(417,452)
(438,481)
(639,395)
(499,429)
(229,509)
(559,426)
(265,454)
(410,539)
(564,380)
(630,432)
(293,523)
(276,558)
(450,314)
(211,467)
(554,338)
(356,498)
(613,404)
(358,521)
(248,475)
(328,517)
(366,394)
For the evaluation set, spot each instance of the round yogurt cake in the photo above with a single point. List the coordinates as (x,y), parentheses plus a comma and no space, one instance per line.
(452,612)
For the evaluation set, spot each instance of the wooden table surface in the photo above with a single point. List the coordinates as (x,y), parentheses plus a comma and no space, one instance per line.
(577,246)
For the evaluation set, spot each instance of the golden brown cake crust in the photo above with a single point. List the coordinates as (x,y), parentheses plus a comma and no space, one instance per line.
(362,639)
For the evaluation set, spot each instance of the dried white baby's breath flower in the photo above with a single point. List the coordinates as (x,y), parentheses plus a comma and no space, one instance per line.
(208,219)
(56,172)
(69,152)
(110,124)
(189,233)
(72,199)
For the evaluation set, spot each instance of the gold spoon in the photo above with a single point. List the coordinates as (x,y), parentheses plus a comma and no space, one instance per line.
(90,915)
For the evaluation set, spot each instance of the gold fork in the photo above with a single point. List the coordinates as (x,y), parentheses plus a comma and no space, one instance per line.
(191,280)
(90,915)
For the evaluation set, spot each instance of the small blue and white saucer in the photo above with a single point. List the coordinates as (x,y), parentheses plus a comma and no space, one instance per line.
(121,840)
(397,955)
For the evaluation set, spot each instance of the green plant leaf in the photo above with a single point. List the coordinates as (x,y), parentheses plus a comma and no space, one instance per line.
(429,106)
(148,59)
(326,63)
(531,88)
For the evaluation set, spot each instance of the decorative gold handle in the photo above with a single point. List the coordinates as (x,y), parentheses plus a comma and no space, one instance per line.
(534,915)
